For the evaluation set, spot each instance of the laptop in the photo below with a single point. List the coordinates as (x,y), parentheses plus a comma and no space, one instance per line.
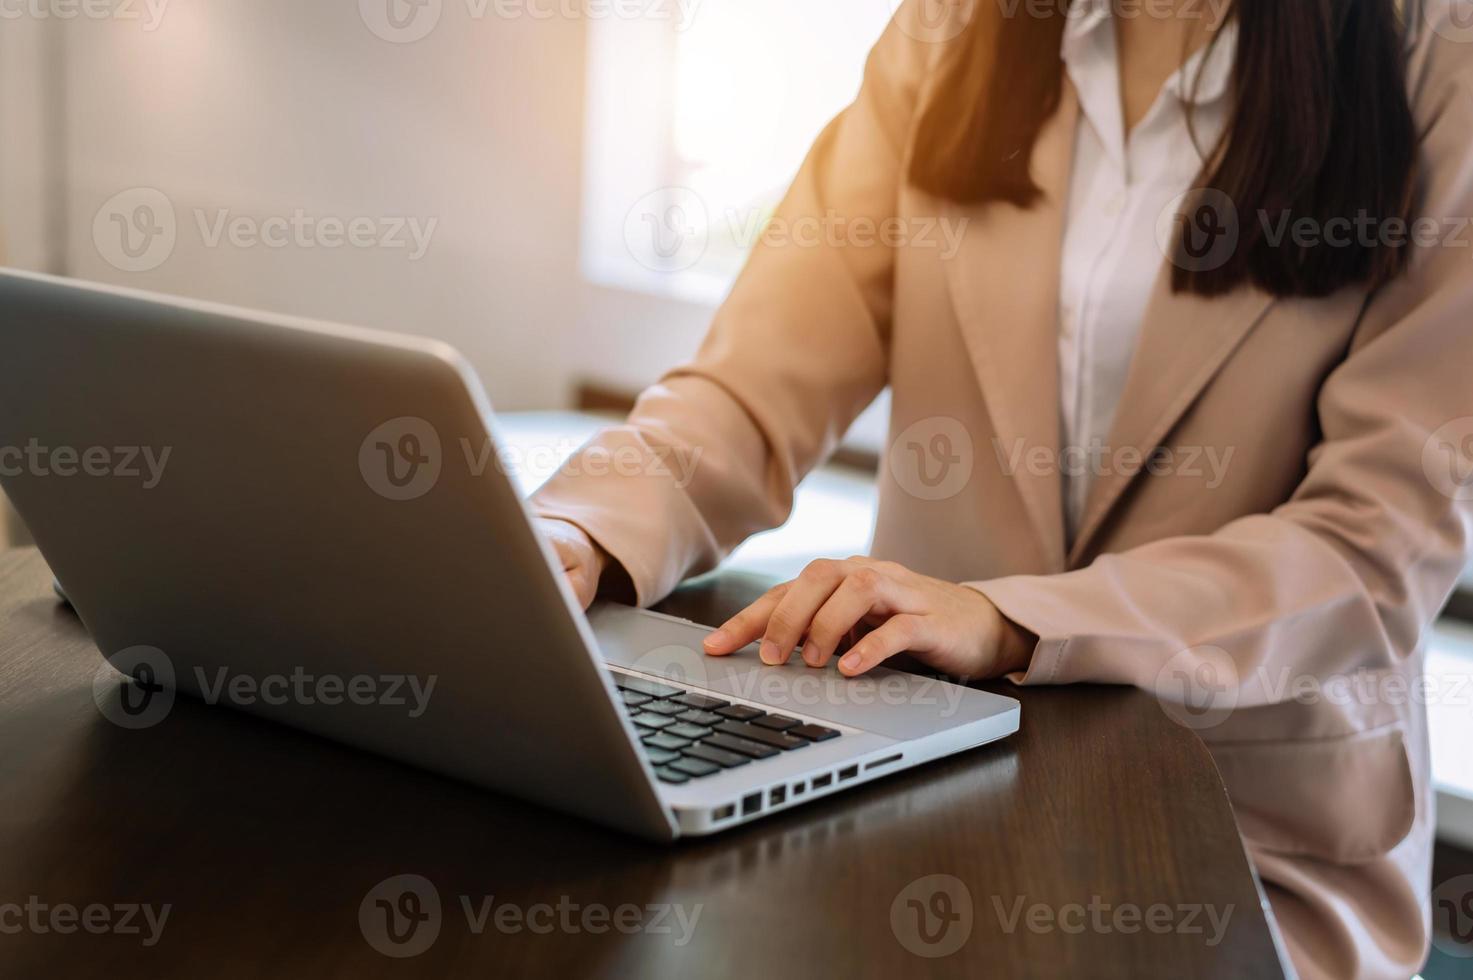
(307,522)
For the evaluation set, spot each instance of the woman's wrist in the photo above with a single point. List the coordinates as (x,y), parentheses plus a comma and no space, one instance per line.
(1015,645)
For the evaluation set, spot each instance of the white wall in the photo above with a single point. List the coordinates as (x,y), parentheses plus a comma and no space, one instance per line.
(271,106)
(266,107)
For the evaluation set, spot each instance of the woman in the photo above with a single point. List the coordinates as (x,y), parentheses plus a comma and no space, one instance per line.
(1184,241)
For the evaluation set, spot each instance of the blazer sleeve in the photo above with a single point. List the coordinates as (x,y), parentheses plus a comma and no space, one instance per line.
(712,453)
(1346,574)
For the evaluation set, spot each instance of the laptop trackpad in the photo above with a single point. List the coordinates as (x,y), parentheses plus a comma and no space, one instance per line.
(886,702)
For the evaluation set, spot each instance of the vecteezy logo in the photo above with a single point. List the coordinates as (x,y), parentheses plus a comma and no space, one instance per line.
(932,459)
(1198,688)
(400,916)
(146,693)
(1453,20)
(401,459)
(933,21)
(1198,231)
(135,230)
(401,21)
(674,664)
(667,230)
(1447,459)
(1452,917)
(932,916)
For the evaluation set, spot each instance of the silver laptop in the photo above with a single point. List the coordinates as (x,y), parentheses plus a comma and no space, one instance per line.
(308,522)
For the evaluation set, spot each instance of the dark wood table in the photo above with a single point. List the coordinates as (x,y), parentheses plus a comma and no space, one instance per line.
(265,843)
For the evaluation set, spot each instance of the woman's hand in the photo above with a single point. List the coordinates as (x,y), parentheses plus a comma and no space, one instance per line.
(948,627)
(583,560)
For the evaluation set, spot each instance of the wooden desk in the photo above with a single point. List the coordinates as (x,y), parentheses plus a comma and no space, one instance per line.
(265,842)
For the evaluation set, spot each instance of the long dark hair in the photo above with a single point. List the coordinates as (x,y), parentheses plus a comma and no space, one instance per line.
(1320,128)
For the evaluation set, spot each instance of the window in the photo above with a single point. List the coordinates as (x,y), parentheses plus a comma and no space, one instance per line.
(697,122)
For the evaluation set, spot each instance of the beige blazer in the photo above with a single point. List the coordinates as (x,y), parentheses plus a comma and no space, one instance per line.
(1260,602)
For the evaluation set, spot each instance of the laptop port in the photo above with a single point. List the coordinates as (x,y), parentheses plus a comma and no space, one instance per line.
(778,794)
(819,782)
(887,760)
(724,812)
(798,789)
(848,772)
(751,803)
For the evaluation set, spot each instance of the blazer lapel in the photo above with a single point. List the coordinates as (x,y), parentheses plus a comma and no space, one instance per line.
(1004,282)
(1184,340)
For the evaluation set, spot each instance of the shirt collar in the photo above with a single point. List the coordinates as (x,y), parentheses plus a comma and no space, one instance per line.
(1084,41)
(1207,73)
(1085,15)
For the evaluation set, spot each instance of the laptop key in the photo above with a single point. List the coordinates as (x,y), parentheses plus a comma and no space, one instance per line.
(814,733)
(754,749)
(740,712)
(708,752)
(775,739)
(660,757)
(687,730)
(694,767)
(641,686)
(697,717)
(665,707)
(705,703)
(669,743)
(647,720)
(667,775)
(633,698)
(777,723)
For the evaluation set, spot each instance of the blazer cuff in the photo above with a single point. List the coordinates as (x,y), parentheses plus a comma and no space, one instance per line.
(619,492)
(611,539)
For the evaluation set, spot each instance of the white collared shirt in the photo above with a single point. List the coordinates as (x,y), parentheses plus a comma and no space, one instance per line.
(1111,255)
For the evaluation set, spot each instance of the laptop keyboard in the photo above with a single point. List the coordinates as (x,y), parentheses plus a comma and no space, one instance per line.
(688,736)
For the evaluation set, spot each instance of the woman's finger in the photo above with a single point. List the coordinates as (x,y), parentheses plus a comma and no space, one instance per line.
(862,592)
(581,578)
(577,559)
(746,625)
(896,635)
(805,595)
